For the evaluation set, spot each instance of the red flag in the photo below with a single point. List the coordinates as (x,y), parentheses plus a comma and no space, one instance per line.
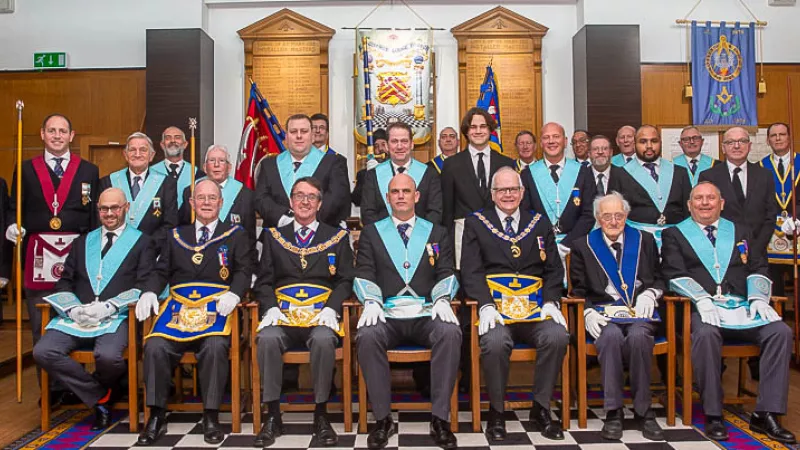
(258,140)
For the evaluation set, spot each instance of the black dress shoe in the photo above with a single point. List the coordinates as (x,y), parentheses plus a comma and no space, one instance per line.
(102,418)
(496,426)
(767,423)
(70,398)
(441,434)
(324,432)
(271,429)
(155,428)
(612,427)
(716,429)
(379,437)
(212,431)
(551,429)
(649,426)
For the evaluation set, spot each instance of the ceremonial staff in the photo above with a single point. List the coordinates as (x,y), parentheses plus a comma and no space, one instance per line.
(794,217)
(192,127)
(368,99)
(18,251)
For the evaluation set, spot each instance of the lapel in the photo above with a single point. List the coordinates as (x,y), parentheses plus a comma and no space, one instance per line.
(491,214)
(473,177)
(321,235)
(208,255)
(752,179)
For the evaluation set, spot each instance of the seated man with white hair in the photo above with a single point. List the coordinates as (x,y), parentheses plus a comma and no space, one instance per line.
(616,269)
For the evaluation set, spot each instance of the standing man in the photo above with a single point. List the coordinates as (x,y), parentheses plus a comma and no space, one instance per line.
(173,143)
(405,279)
(104,273)
(693,159)
(375,206)
(300,294)
(150,194)
(603,171)
(277,176)
(580,147)
(626,143)
(710,260)
(209,267)
(511,267)
(448,145)
(380,149)
(616,268)
(526,149)
(320,133)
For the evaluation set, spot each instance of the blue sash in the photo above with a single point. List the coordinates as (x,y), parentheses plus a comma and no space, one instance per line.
(704,162)
(384,174)
(783,186)
(518,298)
(438,163)
(658,192)
(402,255)
(618,160)
(549,192)
(184,178)
(102,269)
(190,313)
(65,325)
(307,168)
(708,253)
(139,207)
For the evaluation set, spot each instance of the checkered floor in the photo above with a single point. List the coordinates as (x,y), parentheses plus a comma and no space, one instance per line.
(383,120)
(185,432)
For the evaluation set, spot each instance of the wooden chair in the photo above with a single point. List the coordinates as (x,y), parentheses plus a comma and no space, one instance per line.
(303,356)
(520,353)
(586,347)
(404,354)
(190,358)
(87,357)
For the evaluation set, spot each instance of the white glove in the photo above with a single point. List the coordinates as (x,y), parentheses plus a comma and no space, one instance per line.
(226,303)
(328,318)
(100,310)
(147,305)
(790,226)
(372,163)
(373,312)
(594,322)
(12,232)
(708,311)
(272,318)
(3,282)
(79,316)
(763,309)
(489,318)
(645,305)
(443,311)
(550,310)
(284,220)
(563,251)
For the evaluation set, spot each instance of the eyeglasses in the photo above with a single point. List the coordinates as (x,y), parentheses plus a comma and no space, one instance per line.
(688,139)
(580,141)
(608,217)
(301,197)
(206,199)
(732,142)
(110,209)
(507,190)
(321,128)
(217,161)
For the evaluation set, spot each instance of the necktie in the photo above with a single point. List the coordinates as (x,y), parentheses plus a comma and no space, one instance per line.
(57,169)
(554,172)
(781,168)
(304,236)
(203,236)
(737,185)
(617,252)
(135,188)
(628,159)
(110,236)
(601,189)
(693,167)
(710,234)
(173,170)
(585,164)
(652,168)
(509,226)
(402,228)
(297,165)
(401,169)
(481,172)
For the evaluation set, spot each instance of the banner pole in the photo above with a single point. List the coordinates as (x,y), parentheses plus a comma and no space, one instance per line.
(192,128)
(18,252)
(794,217)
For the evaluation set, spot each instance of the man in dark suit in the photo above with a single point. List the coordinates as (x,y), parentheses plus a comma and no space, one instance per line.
(507,252)
(448,145)
(626,143)
(152,196)
(237,199)
(277,175)
(616,269)
(580,147)
(401,147)
(104,273)
(405,279)
(711,260)
(320,131)
(381,150)
(603,170)
(287,280)
(695,162)
(208,266)
(525,144)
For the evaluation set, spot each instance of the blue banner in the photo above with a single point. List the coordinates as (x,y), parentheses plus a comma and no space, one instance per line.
(489,100)
(724,74)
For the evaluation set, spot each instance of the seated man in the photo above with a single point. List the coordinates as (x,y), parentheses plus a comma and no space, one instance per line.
(405,279)
(510,262)
(616,269)
(710,260)
(209,267)
(104,273)
(306,272)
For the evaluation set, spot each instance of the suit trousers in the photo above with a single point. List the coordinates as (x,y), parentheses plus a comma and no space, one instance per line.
(272,342)
(550,341)
(52,352)
(632,343)
(161,356)
(775,341)
(444,340)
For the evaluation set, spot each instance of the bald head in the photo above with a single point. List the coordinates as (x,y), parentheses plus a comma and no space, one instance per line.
(112,194)
(402,196)
(112,207)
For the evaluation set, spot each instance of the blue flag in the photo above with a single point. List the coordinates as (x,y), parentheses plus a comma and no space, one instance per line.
(723,74)
(489,100)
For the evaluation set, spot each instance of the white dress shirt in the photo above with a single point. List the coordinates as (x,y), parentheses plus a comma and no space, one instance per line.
(560,165)
(211,227)
(105,231)
(473,152)
(50,159)
(410,222)
(142,176)
(742,174)
(514,223)
(311,227)
(606,175)
(657,162)
(405,167)
(703,227)
(178,169)
(786,161)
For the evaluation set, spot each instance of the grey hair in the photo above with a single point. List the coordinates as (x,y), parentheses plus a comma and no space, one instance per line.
(163,133)
(506,169)
(217,147)
(208,180)
(140,135)
(611,195)
(690,127)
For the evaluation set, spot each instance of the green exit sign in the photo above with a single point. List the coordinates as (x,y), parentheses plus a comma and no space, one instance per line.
(53,60)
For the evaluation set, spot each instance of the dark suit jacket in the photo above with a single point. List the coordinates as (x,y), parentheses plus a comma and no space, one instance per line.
(461,192)
(242,206)
(356,196)
(132,274)
(589,281)
(576,220)
(175,264)
(280,267)
(272,202)
(429,206)
(642,207)
(485,254)
(760,206)
(154,226)
(373,263)
(613,174)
